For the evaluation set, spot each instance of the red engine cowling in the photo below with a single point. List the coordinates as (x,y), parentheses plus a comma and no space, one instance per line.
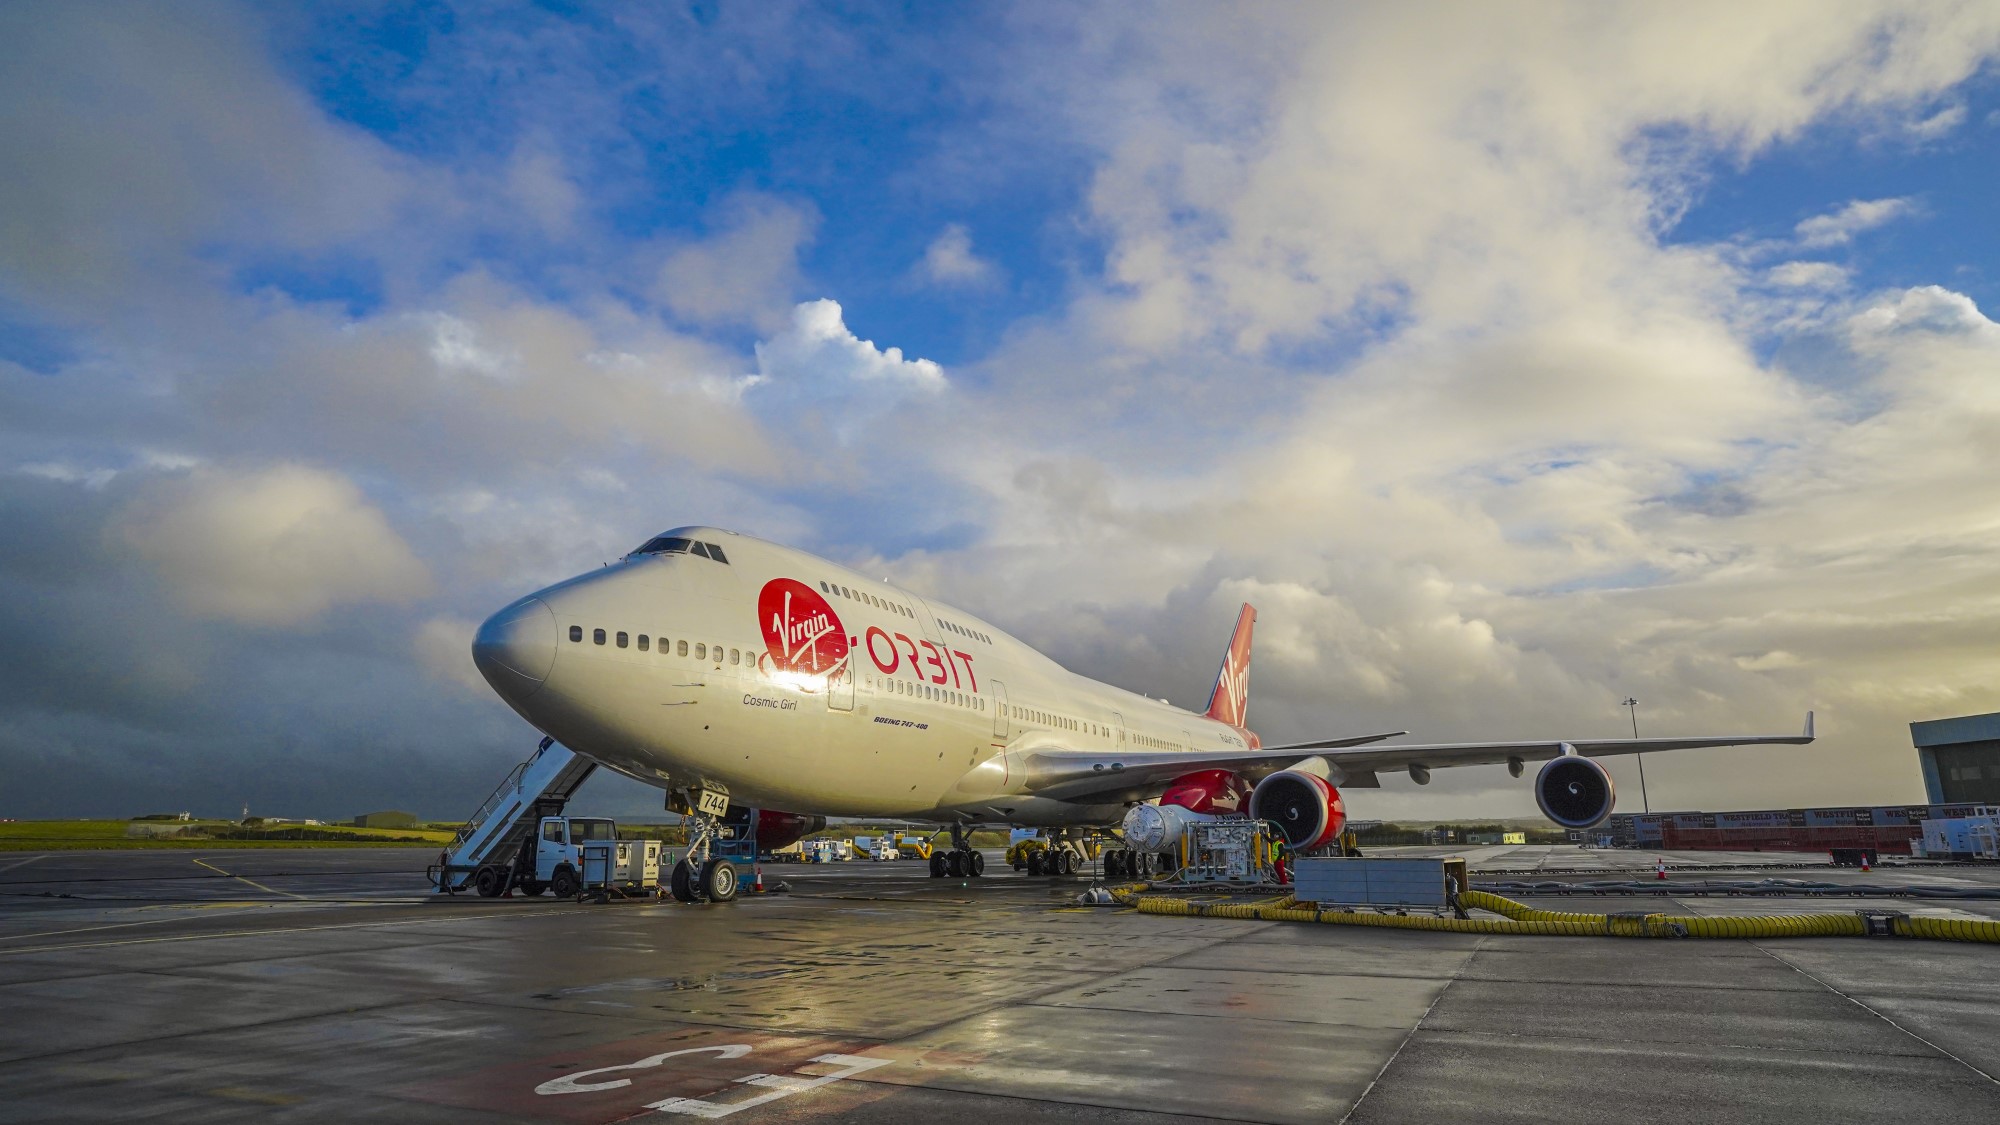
(1307,809)
(777,829)
(1207,791)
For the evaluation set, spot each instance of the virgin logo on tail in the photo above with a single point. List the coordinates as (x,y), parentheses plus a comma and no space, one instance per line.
(801,630)
(1230,701)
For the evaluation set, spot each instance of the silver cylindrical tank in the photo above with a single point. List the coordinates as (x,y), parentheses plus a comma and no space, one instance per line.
(1152,828)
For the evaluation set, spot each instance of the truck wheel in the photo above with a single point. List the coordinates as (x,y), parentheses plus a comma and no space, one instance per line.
(975,863)
(564,882)
(491,882)
(718,880)
(1034,863)
(681,883)
(531,888)
(937,865)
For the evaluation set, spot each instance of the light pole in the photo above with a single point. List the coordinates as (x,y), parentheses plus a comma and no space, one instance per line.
(1632,704)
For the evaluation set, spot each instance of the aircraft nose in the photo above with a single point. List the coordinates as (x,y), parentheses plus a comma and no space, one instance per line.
(516,647)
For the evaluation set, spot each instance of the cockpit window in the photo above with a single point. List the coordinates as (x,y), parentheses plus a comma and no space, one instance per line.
(675,545)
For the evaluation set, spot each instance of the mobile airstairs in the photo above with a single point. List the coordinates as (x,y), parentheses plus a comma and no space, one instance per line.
(495,835)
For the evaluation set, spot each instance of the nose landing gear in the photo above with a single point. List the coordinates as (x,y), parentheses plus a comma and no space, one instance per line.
(700,876)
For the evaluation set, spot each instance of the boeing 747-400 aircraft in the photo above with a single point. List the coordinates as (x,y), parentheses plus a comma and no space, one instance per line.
(729,670)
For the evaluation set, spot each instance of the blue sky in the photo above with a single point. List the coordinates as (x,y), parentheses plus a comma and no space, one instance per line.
(1512,363)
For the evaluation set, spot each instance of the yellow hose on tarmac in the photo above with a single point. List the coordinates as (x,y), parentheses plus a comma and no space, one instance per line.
(1520,918)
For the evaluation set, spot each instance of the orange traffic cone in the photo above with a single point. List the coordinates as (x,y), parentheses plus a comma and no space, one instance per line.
(757,879)
(1660,869)
(1864,862)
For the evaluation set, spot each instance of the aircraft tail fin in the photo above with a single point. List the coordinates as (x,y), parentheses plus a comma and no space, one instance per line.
(1230,701)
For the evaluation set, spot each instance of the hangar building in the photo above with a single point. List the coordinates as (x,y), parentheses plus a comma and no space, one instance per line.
(1960,758)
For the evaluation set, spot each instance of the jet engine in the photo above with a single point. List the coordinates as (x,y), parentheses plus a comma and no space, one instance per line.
(1574,791)
(1189,799)
(1207,791)
(774,829)
(1307,809)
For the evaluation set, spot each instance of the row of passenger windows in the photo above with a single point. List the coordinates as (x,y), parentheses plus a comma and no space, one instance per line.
(838,590)
(1155,743)
(963,631)
(862,596)
(1063,722)
(675,545)
(927,691)
(700,650)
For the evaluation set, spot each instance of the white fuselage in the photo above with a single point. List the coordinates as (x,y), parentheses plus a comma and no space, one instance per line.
(801,685)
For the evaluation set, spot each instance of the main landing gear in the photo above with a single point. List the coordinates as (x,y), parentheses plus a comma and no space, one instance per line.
(963,861)
(701,876)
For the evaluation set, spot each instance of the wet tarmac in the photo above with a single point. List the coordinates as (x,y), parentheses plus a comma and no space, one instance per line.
(327,985)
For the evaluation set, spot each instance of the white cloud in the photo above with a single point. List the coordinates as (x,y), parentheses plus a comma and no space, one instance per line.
(455,346)
(746,271)
(94,478)
(1937,124)
(1927,309)
(1840,227)
(277,546)
(949,260)
(443,646)
(1808,275)
(818,351)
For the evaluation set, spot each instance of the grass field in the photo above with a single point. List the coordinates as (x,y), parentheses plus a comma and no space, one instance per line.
(84,835)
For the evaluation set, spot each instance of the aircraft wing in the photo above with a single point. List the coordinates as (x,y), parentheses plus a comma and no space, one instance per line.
(1099,777)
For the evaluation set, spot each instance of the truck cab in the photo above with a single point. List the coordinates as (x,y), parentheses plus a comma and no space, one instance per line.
(560,840)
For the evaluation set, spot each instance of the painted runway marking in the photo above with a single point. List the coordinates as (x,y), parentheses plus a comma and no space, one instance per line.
(22,862)
(777,1085)
(568,1083)
(252,882)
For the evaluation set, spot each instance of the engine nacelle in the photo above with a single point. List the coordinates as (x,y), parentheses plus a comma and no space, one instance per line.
(1207,791)
(774,829)
(1575,792)
(1156,828)
(780,829)
(1307,809)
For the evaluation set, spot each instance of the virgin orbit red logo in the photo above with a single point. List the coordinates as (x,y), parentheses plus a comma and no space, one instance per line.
(800,629)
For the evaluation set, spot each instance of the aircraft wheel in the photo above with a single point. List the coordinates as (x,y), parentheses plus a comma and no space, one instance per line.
(1114,865)
(718,880)
(937,865)
(681,883)
(1034,863)
(564,882)
(491,882)
(1069,863)
(975,863)
(954,864)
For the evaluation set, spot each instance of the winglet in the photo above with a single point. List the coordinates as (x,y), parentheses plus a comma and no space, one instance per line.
(1230,701)
(1809,721)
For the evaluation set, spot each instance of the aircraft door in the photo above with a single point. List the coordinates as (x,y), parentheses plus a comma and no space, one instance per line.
(1118,725)
(999,697)
(840,685)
